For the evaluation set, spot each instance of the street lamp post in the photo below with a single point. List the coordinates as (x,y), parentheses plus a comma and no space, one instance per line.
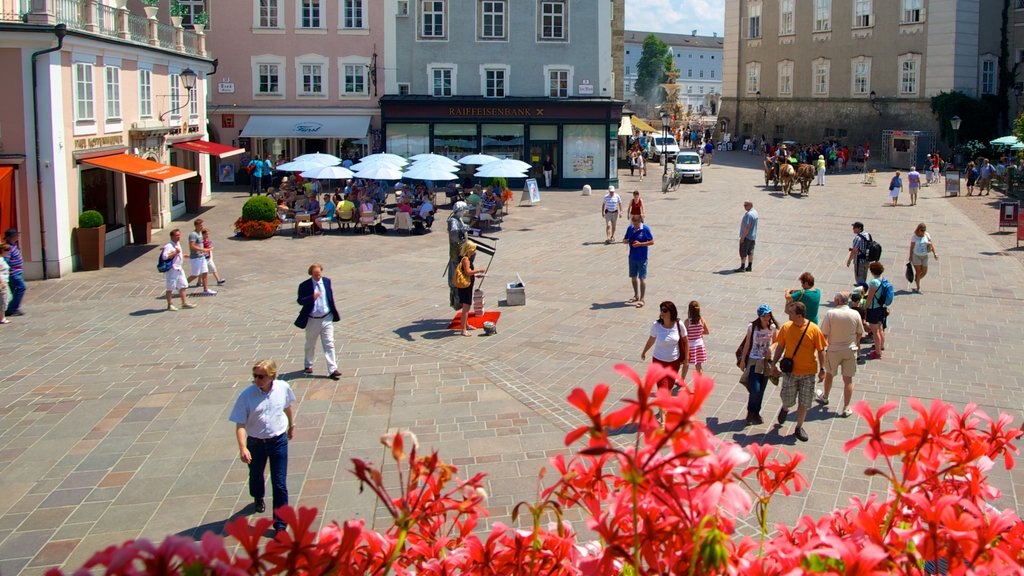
(954,122)
(188,82)
(664,150)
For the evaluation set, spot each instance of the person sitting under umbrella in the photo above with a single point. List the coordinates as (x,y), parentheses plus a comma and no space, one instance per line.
(326,215)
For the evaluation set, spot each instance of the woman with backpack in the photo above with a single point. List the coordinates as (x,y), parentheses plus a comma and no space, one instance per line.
(755,360)
(880,294)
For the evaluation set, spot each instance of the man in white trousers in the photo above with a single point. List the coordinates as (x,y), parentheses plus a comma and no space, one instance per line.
(317,318)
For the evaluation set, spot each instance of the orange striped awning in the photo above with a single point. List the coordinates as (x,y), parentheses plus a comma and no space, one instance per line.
(135,166)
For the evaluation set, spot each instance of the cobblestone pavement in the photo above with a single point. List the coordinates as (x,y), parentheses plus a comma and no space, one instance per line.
(115,411)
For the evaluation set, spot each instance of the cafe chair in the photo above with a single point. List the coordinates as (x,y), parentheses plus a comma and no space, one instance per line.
(303,224)
(403,221)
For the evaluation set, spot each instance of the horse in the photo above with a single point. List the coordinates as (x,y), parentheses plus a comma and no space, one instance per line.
(770,173)
(787,175)
(805,173)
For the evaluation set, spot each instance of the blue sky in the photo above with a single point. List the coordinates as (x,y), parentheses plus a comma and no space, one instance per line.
(676,16)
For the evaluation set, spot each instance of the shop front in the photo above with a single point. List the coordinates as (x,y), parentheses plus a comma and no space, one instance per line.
(579,135)
(187,152)
(289,136)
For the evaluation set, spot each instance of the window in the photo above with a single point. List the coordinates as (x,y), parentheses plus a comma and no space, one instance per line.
(558,83)
(175,95)
(145,93)
(494,82)
(786,17)
(786,78)
(191,8)
(442,81)
(310,15)
(821,73)
(403,89)
(403,7)
(861,13)
(701,73)
(353,13)
(113,83)
(689,72)
(269,79)
(712,73)
(193,102)
(700,90)
(552,20)
(910,65)
(822,15)
(492,19)
(861,76)
(912,13)
(754,20)
(988,76)
(753,77)
(432,19)
(269,14)
(354,80)
(312,79)
(83,92)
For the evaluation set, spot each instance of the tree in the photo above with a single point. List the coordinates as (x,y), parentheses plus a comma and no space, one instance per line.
(651,71)
(1007,74)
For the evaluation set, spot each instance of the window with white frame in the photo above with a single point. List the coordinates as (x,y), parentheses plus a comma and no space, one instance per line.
(822,15)
(701,73)
(820,70)
(492,19)
(786,17)
(700,89)
(403,8)
(912,12)
(310,14)
(988,75)
(432,19)
(268,80)
(191,8)
(861,13)
(84,103)
(174,81)
(494,79)
(861,76)
(753,77)
(754,20)
(354,79)
(558,82)
(312,79)
(193,102)
(442,80)
(910,68)
(145,93)
(113,92)
(404,89)
(269,14)
(353,14)
(553,25)
(786,78)
(689,89)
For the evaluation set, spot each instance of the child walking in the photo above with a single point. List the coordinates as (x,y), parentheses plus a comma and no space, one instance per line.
(696,329)
(5,277)
(208,244)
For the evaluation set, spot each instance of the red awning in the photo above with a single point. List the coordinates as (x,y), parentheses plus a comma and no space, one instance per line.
(135,166)
(211,148)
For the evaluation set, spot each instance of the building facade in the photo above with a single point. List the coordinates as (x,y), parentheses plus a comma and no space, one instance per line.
(97,116)
(522,79)
(851,69)
(301,76)
(698,60)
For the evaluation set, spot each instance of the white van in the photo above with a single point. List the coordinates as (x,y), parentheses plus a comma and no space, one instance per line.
(666,145)
(688,167)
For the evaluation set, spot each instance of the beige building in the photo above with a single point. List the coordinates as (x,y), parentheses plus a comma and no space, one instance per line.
(810,70)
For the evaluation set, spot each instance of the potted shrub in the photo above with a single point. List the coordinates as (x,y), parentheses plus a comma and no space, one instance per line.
(177,12)
(200,21)
(259,218)
(90,236)
(151,7)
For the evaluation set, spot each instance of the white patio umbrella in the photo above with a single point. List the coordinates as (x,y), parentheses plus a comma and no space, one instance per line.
(503,169)
(380,172)
(384,155)
(431,157)
(438,161)
(478,159)
(325,159)
(328,173)
(370,162)
(299,166)
(432,171)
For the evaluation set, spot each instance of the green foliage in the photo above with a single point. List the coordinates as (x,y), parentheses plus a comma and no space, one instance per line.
(151,2)
(177,9)
(202,18)
(259,208)
(978,118)
(498,184)
(651,70)
(90,219)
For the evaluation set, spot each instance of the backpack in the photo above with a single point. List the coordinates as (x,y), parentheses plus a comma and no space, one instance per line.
(885,293)
(163,265)
(250,168)
(873,249)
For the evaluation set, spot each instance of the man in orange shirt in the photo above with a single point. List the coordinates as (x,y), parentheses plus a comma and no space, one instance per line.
(802,342)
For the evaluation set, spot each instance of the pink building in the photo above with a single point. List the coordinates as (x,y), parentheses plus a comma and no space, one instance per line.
(297,76)
(104,108)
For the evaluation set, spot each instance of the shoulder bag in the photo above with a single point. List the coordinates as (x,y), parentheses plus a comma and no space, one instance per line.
(786,364)
(683,353)
(461,280)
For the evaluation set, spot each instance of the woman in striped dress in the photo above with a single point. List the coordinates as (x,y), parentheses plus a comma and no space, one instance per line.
(696,329)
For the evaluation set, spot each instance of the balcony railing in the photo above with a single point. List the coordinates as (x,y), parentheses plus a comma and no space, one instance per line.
(94,17)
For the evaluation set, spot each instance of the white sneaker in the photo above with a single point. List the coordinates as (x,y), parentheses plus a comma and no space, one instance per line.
(819,396)
(186,305)
(209,292)
(172,308)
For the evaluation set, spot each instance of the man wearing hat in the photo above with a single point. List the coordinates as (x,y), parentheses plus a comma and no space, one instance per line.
(17,273)
(611,210)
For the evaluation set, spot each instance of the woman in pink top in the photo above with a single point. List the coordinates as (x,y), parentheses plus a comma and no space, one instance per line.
(696,329)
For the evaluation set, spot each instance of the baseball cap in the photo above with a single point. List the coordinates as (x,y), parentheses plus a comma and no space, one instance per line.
(611,188)
(763,310)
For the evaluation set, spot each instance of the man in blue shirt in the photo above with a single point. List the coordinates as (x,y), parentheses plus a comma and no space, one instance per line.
(638,237)
(748,237)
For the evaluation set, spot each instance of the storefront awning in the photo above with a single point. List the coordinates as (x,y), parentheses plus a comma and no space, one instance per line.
(211,148)
(135,166)
(644,126)
(306,127)
(625,126)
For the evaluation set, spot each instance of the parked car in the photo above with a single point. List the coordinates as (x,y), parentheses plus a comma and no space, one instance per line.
(688,166)
(666,145)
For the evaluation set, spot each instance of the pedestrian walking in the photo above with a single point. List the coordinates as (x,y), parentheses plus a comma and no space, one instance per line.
(174,278)
(671,347)
(317,318)
(638,237)
(895,187)
(264,423)
(16,280)
(748,237)
(197,259)
(636,207)
(859,253)
(611,211)
(696,330)
(211,266)
(5,277)
(808,294)
(756,360)
(920,245)
(803,345)
(820,164)
(548,168)
(972,178)
(879,297)
(913,184)
(843,328)
(641,165)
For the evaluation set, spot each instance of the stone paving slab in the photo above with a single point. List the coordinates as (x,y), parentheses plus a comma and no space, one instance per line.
(116,411)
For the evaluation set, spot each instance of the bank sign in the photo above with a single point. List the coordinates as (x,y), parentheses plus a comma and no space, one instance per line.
(307,128)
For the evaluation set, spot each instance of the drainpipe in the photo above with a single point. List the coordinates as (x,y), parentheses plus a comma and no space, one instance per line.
(60,30)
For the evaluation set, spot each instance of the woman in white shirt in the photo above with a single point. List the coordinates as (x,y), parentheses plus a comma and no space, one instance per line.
(920,245)
(671,348)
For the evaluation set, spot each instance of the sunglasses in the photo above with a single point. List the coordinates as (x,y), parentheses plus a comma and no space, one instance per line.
(664,310)
(260,376)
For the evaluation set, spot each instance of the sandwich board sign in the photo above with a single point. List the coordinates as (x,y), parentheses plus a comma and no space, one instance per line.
(531,193)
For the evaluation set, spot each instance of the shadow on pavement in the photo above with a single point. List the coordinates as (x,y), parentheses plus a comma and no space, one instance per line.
(139,313)
(432,329)
(128,254)
(610,305)
(216,527)
(728,272)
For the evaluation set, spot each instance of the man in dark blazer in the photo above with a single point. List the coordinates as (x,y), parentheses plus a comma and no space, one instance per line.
(317,318)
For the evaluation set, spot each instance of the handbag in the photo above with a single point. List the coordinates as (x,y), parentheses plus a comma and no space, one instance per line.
(786,364)
(461,280)
(910,272)
(743,344)
(684,355)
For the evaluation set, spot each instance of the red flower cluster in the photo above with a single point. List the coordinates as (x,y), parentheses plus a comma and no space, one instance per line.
(664,503)
(256,228)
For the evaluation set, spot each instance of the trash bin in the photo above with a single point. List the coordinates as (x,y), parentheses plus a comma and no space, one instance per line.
(515,292)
